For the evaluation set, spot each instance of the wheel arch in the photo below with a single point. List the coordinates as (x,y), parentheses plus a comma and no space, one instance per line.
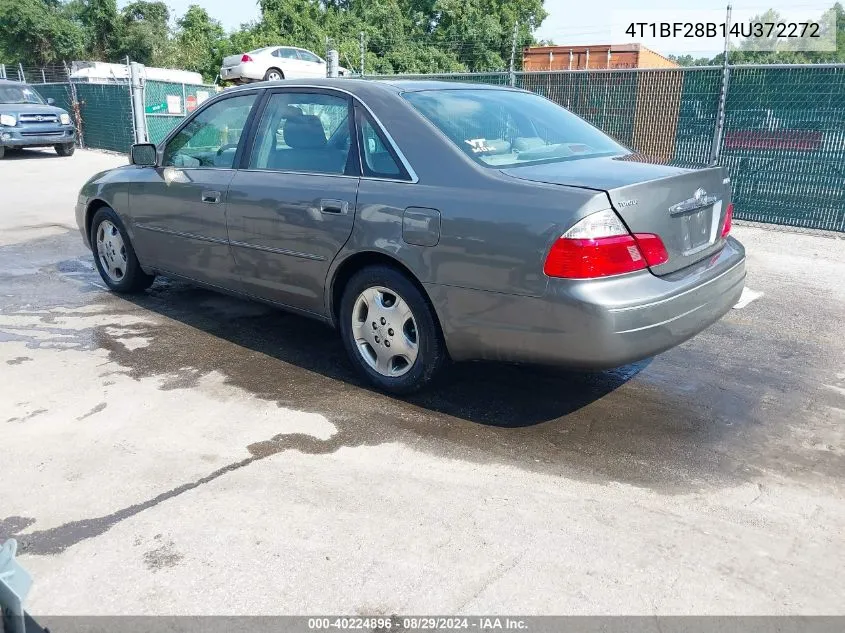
(94,205)
(344,271)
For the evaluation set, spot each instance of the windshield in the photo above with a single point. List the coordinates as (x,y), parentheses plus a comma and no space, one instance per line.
(502,128)
(19,94)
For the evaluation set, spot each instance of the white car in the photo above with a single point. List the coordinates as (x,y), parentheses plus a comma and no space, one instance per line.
(273,63)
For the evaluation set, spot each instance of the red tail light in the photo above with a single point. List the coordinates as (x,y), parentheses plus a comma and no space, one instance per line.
(729,216)
(246,58)
(599,246)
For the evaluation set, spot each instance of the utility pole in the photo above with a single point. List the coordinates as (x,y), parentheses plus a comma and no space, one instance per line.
(716,146)
(363,51)
(513,54)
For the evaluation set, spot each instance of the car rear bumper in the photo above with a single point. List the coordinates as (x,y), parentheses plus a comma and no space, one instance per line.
(246,70)
(594,324)
(23,137)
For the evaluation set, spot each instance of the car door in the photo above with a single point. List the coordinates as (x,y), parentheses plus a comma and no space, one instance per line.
(289,63)
(292,205)
(311,64)
(179,207)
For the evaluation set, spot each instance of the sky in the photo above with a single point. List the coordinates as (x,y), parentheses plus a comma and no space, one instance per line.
(585,22)
(605,21)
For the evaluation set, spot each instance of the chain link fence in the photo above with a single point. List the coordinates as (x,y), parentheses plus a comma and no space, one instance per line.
(101,105)
(783,139)
(167,103)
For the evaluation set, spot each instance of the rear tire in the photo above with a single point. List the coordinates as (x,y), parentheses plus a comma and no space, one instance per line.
(390,331)
(274,74)
(114,256)
(65,149)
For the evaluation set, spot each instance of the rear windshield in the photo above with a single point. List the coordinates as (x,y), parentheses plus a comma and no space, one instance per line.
(502,128)
(19,94)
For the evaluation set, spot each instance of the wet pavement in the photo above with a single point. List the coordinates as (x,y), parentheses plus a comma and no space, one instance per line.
(175,449)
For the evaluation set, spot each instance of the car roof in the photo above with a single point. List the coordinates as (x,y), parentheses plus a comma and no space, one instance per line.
(362,86)
(417,85)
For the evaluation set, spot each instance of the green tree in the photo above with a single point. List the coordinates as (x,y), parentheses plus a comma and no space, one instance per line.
(37,32)
(689,60)
(100,20)
(200,42)
(143,33)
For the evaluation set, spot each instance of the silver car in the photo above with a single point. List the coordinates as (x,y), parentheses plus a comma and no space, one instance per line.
(426,221)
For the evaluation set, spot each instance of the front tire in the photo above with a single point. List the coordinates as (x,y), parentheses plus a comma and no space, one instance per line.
(65,149)
(2,151)
(274,74)
(390,331)
(114,256)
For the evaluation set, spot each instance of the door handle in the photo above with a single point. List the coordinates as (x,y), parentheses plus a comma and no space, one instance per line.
(329,205)
(211,197)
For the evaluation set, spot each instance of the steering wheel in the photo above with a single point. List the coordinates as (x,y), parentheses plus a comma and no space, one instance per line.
(225,147)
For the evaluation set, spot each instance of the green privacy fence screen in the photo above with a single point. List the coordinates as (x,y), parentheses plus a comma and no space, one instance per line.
(104,116)
(783,139)
(166,104)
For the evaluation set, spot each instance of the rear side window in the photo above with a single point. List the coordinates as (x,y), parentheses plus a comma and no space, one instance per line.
(285,53)
(307,132)
(503,128)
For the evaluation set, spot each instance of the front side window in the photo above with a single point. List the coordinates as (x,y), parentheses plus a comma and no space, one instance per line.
(211,138)
(306,132)
(502,128)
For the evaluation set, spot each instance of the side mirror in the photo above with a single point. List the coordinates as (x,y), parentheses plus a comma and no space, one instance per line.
(50,101)
(143,154)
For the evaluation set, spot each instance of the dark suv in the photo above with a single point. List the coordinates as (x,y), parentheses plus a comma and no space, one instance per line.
(27,120)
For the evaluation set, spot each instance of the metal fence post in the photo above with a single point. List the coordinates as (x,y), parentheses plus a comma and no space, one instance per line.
(716,146)
(363,52)
(136,86)
(513,55)
(131,99)
(332,62)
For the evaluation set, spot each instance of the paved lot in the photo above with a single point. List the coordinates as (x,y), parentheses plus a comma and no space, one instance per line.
(185,452)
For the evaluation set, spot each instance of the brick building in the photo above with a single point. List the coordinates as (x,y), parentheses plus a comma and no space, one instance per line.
(594,57)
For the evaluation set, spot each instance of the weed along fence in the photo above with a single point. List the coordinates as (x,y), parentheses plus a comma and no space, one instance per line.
(780,130)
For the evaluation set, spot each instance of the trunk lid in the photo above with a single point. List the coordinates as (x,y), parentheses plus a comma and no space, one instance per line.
(232,60)
(685,207)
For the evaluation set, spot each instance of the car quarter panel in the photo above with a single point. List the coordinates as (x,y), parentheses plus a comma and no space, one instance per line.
(595,323)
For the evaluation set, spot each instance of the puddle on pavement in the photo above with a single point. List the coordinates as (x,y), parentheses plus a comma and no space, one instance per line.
(693,417)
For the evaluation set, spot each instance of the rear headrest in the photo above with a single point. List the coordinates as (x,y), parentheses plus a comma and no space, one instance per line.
(304,132)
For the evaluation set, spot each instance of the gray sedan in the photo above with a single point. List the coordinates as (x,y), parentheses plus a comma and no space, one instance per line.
(426,221)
